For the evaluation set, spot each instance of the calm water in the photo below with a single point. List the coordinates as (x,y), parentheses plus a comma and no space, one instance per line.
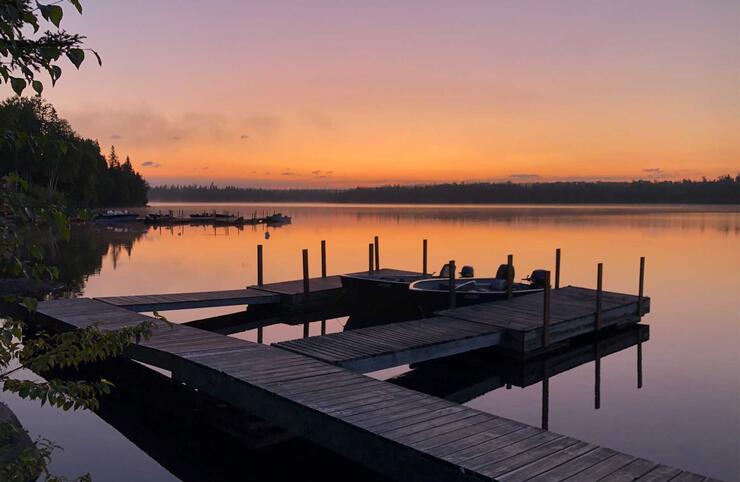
(686,414)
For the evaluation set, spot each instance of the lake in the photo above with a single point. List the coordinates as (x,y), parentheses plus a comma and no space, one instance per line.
(686,413)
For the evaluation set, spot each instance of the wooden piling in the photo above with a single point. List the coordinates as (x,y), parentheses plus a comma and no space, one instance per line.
(599,293)
(546,312)
(557,268)
(509,276)
(597,377)
(641,289)
(545,396)
(424,257)
(453,295)
(639,361)
(260,279)
(370,259)
(377,253)
(305,273)
(259,334)
(323,258)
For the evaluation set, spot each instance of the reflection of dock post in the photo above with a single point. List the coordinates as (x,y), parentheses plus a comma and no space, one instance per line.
(305,274)
(597,377)
(323,327)
(305,329)
(453,295)
(509,276)
(557,268)
(599,287)
(370,265)
(641,289)
(323,258)
(639,360)
(546,312)
(424,258)
(259,334)
(377,253)
(545,396)
(260,278)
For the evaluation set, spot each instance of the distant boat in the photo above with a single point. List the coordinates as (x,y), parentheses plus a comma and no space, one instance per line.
(115,216)
(278,218)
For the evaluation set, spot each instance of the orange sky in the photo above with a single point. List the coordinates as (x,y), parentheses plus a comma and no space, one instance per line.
(332,94)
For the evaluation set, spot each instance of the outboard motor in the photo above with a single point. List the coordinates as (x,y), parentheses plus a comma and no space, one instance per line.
(537,278)
(503,270)
(445,271)
(467,272)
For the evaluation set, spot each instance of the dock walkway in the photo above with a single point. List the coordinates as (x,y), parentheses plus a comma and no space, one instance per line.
(404,434)
(514,324)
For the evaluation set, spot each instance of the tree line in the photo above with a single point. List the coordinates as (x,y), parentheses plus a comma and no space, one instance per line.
(54,160)
(722,190)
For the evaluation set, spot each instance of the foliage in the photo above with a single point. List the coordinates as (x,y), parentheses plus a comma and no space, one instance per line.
(24,57)
(53,159)
(723,190)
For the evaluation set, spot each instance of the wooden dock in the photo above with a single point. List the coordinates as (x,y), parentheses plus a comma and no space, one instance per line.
(401,433)
(514,324)
(187,301)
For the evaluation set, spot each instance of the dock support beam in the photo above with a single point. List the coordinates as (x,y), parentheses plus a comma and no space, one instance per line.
(597,376)
(323,258)
(546,312)
(453,295)
(305,274)
(377,253)
(424,257)
(509,276)
(639,361)
(370,260)
(260,279)
(557,268)
(599,289)
(641,289)
(545,395)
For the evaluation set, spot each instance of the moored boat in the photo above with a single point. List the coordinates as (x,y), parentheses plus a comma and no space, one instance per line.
(434,293)
(278,218)
(115,216)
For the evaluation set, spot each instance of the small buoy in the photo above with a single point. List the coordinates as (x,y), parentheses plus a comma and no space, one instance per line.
(267,234)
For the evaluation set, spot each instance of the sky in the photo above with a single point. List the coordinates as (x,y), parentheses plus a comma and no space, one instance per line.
(338,94)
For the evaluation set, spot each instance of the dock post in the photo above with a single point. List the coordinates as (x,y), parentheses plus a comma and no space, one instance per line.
(509,276)
(377,253)
(639,360)
(323,258)
(546,312)
(597,376)
(259,334)
(453,295)
(545,396)
(260,279)
(370,259)
(557,268)
(599,288)
(305,274)
(424,258)
(641,289)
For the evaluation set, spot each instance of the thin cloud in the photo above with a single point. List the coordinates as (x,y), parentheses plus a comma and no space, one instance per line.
(244,136)
(524,177)
(150,164)
(116,136)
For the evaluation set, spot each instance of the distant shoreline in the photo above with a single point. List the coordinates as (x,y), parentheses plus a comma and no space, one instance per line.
(721,191)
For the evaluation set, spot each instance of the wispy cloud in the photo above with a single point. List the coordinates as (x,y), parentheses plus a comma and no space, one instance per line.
(524,177)
(151,164)
(116,136)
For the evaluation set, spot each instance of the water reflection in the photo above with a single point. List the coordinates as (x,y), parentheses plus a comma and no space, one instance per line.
(464,378)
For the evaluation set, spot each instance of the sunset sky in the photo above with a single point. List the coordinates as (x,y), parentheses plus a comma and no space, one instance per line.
(338,93)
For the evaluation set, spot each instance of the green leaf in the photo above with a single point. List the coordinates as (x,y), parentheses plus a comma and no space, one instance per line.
(31,19)
(18,84)
(37,86)
(76,56)
(52,13)
(77,5)
(55,72)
